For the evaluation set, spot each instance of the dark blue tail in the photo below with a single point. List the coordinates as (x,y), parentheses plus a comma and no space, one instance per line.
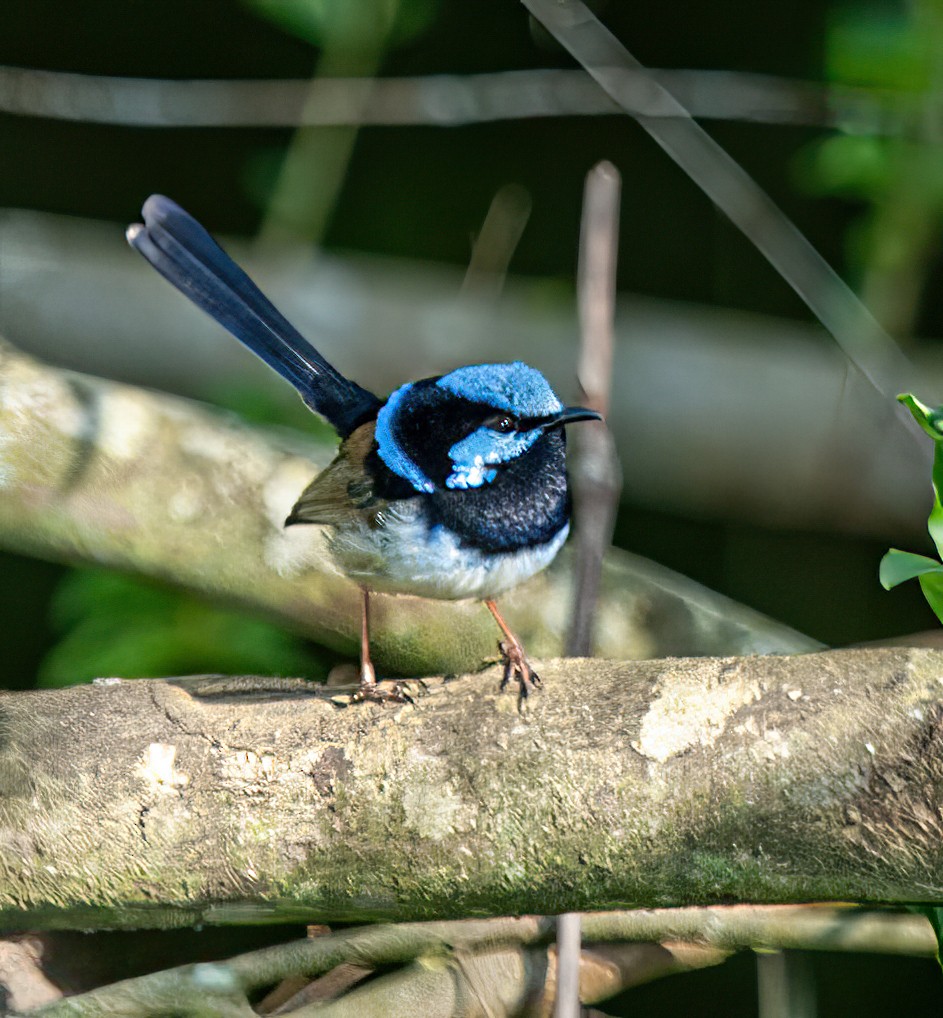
(184,253)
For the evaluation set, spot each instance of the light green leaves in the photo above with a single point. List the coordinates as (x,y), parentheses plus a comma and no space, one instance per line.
(898,566)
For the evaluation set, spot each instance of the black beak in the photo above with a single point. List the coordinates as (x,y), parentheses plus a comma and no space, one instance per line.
(570,415)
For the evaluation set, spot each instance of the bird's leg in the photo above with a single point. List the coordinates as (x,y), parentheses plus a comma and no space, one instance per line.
(370,689)
(516,665)
(368,674)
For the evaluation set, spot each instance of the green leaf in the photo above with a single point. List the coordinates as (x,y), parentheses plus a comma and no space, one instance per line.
(865,46)
(930,420)
(935,916)
(932,423)
(935,519)
(858,166)
(932,586)
(898,566)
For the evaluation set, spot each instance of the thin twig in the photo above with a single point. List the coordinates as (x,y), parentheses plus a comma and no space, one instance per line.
(803,927)
(442,100)
(327,987)
(597,475)
(297,990)
(567,1003)
(785,985)
(497,241)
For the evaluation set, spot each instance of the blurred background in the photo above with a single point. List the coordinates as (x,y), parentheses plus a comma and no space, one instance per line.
(756,459)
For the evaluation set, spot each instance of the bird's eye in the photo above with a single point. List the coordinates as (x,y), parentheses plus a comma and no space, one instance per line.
(500,422)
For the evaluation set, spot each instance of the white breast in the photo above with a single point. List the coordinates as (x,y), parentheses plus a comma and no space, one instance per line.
(407,556)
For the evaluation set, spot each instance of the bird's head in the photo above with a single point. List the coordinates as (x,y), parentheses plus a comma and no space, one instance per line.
(459,430)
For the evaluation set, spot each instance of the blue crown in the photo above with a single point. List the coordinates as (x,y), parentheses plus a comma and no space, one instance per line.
(517,388)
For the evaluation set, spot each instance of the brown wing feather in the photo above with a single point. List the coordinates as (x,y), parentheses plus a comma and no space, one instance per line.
(343,491)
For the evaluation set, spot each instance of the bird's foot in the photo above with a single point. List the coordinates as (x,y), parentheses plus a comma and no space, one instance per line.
(517,667)
(383,691)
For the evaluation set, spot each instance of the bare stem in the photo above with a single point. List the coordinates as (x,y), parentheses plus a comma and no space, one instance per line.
(596,474)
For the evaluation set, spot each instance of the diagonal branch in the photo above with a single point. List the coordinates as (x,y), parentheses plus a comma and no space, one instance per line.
(95,471)
(728,185)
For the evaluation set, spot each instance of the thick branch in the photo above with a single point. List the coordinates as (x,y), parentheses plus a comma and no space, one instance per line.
(672,782)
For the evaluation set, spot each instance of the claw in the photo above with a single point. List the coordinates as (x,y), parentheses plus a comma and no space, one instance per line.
(388,691)
(516,666)
(508,667)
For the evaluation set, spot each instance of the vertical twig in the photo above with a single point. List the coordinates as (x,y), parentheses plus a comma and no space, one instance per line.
(569,937)
(785,985)
(313,171)
(597,477)
(497,241)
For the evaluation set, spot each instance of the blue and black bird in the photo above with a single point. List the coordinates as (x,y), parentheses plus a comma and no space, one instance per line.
(452,487)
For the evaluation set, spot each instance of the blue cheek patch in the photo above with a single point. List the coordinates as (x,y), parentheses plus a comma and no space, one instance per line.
(517,388)
(473,458)
(389,449)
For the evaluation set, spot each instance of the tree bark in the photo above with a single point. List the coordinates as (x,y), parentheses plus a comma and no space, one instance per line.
(209,799)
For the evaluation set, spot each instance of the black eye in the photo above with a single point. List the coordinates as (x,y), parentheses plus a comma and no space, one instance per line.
(501,422)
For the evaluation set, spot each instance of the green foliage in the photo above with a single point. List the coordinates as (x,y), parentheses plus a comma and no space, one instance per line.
(114,624)
(898,566)
(868,47)
(365,24)
(935,917)
(879,46)
(886,155)
(890,50)
(848,166)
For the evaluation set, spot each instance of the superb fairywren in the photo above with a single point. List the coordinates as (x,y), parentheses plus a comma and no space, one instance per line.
(453,487)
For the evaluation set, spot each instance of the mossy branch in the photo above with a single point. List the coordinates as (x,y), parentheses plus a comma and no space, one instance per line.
(159,803)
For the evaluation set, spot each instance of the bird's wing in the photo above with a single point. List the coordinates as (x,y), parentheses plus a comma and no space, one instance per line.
(184,253)
(343,491)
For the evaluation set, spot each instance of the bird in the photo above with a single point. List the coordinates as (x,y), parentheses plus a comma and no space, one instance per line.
(453,487)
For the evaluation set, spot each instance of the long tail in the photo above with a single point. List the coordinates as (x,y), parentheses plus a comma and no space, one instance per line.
(185,254)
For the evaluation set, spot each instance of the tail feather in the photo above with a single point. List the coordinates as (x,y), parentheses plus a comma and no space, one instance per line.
(185,254)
